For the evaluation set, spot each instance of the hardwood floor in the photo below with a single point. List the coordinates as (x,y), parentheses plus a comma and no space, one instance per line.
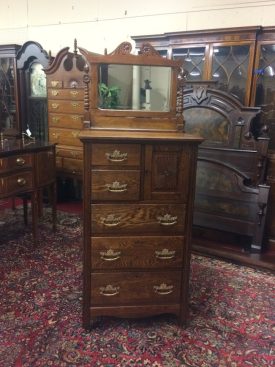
(233,248)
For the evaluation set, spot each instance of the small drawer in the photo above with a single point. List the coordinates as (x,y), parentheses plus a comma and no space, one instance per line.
(72,121)
(75,153)
(65,137)
(115,185)
(137,252)
(128,288)
(16,183)
(136,219)
(69,94)
(16,162)
(63,106)
(116,154)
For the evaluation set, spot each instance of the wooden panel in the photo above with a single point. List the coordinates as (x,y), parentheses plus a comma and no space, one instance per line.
(135,288)
(115,185)
(136,252)
(64,137)
(73,121)
(134,218)
(45,159)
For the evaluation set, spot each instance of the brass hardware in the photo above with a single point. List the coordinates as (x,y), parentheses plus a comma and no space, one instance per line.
(75,117)
(165,254)
(54,83)
(163,289)
(74,154)
(55,105)
(167,220)
(110,255)
(116,187)
(109,290)
(75,134)
(55,135)
(20,161)
(55,92)
(21,181)
(55,119)
(75,104)
(116,156)
(111,220)
(74,93)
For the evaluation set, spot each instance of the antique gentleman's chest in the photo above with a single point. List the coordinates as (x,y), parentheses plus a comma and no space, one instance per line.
(138,199)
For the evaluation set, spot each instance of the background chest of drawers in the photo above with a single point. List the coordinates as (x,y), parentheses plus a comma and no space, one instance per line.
(138,198)
(65,111)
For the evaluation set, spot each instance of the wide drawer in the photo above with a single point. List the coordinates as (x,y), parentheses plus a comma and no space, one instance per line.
(66,106)
(70,94)
(137,252)
(72,121)
(138,218)
(16,162)
(127,288)
(115,185)
(69,152)
(16,183)
(116,154)
(65,137)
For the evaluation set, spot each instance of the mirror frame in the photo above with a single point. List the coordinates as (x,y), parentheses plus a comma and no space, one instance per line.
(122,55)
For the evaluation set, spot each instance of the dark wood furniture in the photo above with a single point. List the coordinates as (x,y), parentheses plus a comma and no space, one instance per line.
(139,180)
(28,167)
(231,194)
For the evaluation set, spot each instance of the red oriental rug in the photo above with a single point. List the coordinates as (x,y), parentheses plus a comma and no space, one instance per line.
(232,318)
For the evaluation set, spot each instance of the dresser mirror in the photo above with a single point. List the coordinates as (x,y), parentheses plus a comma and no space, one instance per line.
(134,87)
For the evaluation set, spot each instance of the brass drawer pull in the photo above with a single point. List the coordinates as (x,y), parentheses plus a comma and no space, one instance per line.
(75,104)
(55,119)
(54,83)
(167,220)
(111,220)
(165,254)
(55,135)
(109,290)
(116,156)
(21,181)
(163,289)
(55,92)
(116,187)
(110,255)
(74,93)
(20,161)
(55,105)
(75,117)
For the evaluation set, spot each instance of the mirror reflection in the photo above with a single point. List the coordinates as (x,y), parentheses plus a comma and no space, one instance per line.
(134,87)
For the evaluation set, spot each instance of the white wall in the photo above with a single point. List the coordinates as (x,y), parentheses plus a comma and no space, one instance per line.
(105,23)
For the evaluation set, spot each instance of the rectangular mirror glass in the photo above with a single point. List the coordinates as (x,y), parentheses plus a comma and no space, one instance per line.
(134,87)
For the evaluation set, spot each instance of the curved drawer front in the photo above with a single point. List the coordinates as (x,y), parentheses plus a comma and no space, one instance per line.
(140,219)
(116,154)
(14,184)
(135,288)
(137,252)
(115,185)
(65,137)
(16,162)
(60,106)
(73,121)
(70,94)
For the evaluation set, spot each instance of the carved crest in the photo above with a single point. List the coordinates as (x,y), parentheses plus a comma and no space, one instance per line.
(124,48)
(199,95)
(148,50)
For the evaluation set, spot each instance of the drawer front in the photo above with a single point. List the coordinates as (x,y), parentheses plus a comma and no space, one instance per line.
(116,154)
(134,218)
(115,185)
(14,184)
(70,94)
(65,137)
(73,166)
(16,162)
(45,167)
(135,288)
(72,121)
(70,153)
(137,252)
(59,106)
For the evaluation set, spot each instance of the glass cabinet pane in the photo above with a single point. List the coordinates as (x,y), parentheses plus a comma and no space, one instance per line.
(7,94)
(265,88)
(193,61)
(229,69)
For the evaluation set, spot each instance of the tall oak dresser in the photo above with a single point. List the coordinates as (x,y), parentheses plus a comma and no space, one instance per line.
(138,183)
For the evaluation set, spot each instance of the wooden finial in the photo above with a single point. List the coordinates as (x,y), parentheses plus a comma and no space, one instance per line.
(75,46)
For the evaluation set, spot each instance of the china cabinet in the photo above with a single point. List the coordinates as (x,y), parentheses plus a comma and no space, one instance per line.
(139,179)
